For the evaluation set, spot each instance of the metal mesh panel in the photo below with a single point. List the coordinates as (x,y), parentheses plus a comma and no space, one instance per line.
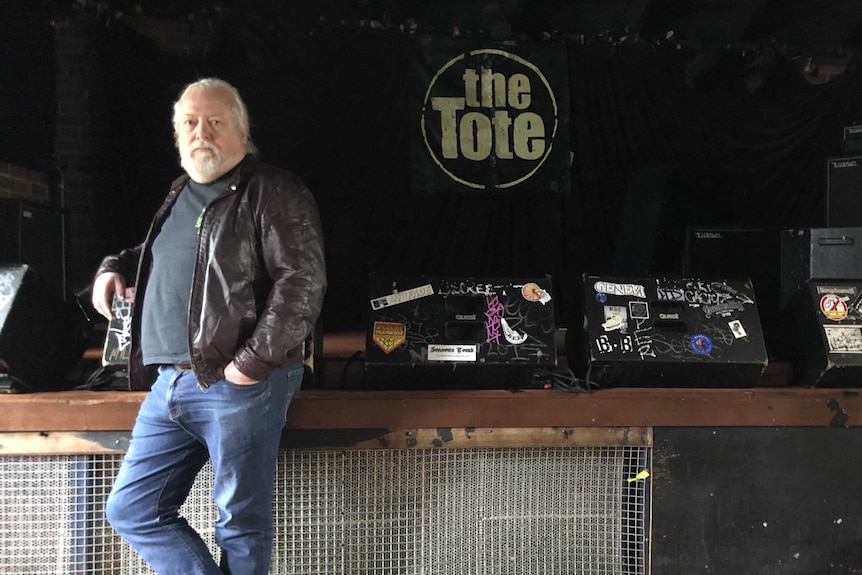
(526,511)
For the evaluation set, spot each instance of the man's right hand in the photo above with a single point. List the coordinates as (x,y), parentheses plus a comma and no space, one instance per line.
(104,288)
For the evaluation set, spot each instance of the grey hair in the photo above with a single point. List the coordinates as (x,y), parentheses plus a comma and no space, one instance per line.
(239,109)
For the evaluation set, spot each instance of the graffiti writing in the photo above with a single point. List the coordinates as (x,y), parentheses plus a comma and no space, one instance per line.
(493,315)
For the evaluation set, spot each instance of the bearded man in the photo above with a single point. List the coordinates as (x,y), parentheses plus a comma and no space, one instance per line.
(229,283)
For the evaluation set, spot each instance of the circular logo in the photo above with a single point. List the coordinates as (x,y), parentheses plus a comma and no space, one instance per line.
(701,344)
(601,297)
(833,307)
(489,118)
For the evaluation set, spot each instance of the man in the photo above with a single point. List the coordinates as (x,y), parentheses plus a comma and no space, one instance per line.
(229,284)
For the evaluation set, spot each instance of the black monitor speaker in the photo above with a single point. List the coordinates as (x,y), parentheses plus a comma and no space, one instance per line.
(42,338)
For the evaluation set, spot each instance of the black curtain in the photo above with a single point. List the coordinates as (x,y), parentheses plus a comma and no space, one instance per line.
(661,138)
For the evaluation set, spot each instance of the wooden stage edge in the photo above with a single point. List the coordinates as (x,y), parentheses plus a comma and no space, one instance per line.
(381,413)
(84,411)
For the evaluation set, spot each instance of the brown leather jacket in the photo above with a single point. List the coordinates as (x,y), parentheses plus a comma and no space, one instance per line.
(258,282)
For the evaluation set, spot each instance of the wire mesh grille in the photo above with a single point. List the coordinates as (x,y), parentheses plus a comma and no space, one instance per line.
(517,511)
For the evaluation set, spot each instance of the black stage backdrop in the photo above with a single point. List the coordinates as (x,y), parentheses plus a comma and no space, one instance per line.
(660,138)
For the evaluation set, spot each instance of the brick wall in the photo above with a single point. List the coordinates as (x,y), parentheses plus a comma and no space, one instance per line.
(73,137)
(19,183)
(84,135)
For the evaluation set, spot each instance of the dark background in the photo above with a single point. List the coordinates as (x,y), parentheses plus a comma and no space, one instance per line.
(681,113)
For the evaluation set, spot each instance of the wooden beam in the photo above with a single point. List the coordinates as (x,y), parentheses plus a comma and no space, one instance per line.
(464,438)
(63,443)
(396,410)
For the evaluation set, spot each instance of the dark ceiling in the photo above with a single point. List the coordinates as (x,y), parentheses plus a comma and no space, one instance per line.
(816,27)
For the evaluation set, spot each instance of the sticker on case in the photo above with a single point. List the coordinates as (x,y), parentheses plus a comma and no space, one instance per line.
(388,336)
(532,292)
(701,344)
(833,306)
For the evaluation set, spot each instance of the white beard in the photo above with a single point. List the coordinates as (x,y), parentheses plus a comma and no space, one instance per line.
(205,167)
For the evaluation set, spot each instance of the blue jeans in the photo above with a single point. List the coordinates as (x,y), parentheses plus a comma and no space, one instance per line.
(178,428)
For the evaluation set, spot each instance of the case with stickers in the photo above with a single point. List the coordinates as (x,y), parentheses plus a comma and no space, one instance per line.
(672,332)
(829,334)
(436,332)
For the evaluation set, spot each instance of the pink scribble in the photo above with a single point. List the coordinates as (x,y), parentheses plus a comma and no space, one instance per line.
(493,315)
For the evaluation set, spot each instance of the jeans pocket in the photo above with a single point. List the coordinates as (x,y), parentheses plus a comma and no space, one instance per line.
(257,392)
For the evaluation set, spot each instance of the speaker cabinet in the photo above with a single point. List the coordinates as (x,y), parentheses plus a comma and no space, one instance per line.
(818,253)
(433,332)
(672,332)
(829,331)
(32,234)
(733,253)
(41,338)
(844,191)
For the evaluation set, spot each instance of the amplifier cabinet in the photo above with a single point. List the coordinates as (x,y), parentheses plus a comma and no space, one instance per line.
(739,252)
(672,332)
(32,234)
(430,332)
(829,334)
(41,337)
(818,253)
(844,186)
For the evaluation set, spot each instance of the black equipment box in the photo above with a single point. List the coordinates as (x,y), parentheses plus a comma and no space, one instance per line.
(739,252)
(32,234)
(818,253)
(450,333)
(844,191)
(672,332)
(829,331)
(41,337)
(852,141)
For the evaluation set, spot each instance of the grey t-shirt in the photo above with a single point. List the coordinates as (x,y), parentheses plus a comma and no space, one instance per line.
(165,317)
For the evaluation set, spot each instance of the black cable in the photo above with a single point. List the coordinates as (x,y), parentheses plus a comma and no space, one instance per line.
(566,380)
(357,355)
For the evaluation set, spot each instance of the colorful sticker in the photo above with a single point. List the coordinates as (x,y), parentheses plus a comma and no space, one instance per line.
(388,335)
(834,306)
(701,344)
(601,297)
(532,292)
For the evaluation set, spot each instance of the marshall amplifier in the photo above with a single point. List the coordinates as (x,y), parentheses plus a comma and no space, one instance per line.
(427,333)
(672,332)
(829,333)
